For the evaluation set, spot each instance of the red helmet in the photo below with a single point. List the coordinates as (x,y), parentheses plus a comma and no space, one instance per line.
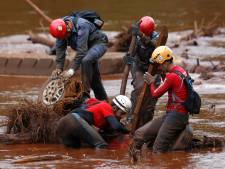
(58,28)
(147,25)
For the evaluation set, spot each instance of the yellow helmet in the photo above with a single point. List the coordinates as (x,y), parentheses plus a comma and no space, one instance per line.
(161,54)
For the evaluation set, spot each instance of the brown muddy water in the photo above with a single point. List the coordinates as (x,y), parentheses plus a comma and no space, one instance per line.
(17,16)
(210,122)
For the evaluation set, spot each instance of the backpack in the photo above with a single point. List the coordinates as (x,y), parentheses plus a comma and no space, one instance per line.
(193,101)
(91,16)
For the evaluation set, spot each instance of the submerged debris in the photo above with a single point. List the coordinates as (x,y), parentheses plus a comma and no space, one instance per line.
(38,120)
(202,29)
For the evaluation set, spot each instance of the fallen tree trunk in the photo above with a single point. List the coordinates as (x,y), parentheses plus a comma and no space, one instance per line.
(15,138)
(34,38)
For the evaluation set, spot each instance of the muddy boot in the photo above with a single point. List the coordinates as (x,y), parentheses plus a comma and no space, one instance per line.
(134,152)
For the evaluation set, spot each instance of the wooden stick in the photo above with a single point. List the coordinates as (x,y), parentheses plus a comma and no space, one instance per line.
(15,138)
(162,41)
(39,11)
(39,39)
(39,158)
(127,67)
(139,103)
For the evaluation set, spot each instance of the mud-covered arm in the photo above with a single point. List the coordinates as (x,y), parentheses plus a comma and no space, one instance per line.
(61,46)
(82,45)
(116,125)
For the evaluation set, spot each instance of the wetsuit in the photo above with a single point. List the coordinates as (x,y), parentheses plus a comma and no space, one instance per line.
(162,132)
(78,125)
(90,44)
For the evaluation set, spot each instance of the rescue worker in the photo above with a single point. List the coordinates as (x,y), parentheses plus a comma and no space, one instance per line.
(90,44)
(80,125)
(162,132)
(146,36)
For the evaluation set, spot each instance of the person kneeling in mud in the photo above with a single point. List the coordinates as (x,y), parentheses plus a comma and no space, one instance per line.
(162,132)
(82,123)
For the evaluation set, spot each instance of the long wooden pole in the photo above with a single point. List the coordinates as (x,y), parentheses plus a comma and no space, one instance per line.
(39,11)
(162,41)
(127,66)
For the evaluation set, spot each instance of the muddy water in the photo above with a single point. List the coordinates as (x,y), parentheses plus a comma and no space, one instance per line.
(17,16)
(209,122)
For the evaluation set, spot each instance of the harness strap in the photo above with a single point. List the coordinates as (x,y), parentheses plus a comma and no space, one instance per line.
(175,98)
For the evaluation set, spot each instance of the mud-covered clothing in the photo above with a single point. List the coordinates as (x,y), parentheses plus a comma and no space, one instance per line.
(93,113)
(177,90)
(161,133)
(90,44)
(84,36)
(72,130)
(100,114)
(144,51)
(148,106)
(142,54)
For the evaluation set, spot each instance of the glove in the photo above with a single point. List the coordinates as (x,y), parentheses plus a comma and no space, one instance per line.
(135,29)
(68,74)
(127,59)
(56,73)
(148,78)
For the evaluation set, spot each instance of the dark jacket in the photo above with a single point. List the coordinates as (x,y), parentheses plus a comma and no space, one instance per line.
(83,37)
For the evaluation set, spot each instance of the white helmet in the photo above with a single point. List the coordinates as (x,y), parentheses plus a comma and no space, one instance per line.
(123,102)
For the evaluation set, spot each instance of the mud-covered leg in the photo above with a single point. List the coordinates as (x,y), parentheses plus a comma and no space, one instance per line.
(72,129)
(142,135)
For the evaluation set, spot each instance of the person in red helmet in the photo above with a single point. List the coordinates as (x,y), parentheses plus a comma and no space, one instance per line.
(147,25)
(90,44)
(146,37)
(58,29)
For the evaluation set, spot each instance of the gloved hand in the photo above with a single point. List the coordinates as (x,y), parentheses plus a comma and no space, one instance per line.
(148,78)
(127,59)
(56,73)
(68,74)
(135,29)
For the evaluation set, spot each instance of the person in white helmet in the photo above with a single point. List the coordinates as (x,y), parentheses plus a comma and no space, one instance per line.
(79,126)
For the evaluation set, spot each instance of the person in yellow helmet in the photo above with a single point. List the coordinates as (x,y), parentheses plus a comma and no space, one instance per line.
(162,132)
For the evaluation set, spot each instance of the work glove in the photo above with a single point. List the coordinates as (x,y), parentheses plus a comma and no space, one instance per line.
(129,60)
(68,74)
(56,73)
(135,29)
(148,78)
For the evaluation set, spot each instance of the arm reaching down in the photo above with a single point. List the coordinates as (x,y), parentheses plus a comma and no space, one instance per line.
(116,125)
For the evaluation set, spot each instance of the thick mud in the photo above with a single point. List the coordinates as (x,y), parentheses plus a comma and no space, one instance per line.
(209,122)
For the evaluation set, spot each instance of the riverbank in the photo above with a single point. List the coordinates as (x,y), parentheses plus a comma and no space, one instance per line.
(18,56)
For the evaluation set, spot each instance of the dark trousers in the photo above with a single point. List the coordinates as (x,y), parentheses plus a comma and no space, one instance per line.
(148,106)
(72,130)
(161,133)
(91,77)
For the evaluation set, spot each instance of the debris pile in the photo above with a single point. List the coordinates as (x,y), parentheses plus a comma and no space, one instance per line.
(36,122)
